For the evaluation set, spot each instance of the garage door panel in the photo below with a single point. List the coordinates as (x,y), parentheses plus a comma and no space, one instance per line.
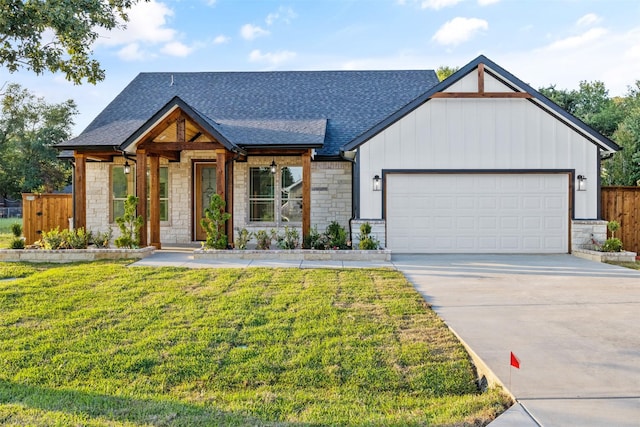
(491,213)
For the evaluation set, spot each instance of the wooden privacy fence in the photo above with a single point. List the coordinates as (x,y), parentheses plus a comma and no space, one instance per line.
(622,204)
(44,212)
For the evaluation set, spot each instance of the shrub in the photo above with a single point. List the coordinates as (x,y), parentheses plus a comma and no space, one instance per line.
(75,239)
(612,245)
(129,224)
(263,239)
(17,243)
(102,239)
(337,236)
(53,239)
(289,240)
(16,229)
(367,241)
(244,237)
(213,223)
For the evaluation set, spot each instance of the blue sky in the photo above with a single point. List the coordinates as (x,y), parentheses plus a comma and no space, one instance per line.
(540,41)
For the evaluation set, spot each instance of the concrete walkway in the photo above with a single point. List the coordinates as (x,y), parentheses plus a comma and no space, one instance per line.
(574,325)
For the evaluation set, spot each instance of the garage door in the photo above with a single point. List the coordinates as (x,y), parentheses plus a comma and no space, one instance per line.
(477,213)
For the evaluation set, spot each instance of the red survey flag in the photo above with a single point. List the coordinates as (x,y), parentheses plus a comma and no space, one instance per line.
(515,362)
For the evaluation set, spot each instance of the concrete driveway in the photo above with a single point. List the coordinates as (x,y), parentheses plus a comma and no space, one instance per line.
(574,325)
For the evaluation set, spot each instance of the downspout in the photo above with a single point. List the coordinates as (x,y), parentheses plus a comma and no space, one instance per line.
(352,156)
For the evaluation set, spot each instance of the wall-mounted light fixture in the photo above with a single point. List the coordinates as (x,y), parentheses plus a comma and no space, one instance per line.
(273,166)
(127,167)
(377,183)
(582,183)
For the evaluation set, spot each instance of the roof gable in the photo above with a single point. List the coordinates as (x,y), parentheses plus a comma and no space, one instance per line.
(499,83)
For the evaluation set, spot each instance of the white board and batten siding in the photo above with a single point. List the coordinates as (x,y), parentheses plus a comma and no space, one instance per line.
(469,134)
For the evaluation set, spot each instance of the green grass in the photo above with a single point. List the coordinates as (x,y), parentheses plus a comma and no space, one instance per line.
(101,344)
(5,231)
(633,265)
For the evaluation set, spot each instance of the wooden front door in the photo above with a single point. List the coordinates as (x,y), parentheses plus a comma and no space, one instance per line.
(204,187)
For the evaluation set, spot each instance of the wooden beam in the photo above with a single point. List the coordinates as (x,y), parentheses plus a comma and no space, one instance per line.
(488,95)
(480,78)
(141,192)
(164,147)
(306,194)
(229,174)
(154,206)
(80,191)
(181,129)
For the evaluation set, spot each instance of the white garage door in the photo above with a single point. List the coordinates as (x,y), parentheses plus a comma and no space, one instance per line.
(477,213)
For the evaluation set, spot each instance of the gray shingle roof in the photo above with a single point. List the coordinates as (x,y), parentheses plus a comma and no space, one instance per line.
(309,108)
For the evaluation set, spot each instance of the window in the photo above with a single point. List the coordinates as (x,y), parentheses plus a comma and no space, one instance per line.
(164,194)
(261,195)
(124,184)
(268,191)
(121,185)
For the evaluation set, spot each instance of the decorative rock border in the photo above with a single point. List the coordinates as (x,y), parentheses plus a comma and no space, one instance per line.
(72,255)
(295,255)
(623,256)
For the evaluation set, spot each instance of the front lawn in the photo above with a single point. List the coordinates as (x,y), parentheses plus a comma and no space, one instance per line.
(101,344)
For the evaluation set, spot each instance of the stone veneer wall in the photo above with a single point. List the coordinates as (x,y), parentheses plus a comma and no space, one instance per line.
(330,194)
(584,232)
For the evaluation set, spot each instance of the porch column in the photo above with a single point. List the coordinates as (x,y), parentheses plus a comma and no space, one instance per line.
(154,193)
(306,194)
(221,186)
(80,191)
(141,192)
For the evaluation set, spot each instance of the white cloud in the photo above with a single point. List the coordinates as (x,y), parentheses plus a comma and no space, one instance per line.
(272,58)
(487,2)
(132,52)
(284,14)
(459,30)
(221,39)
(580,40)
(250,32)
(438,4)
(176,49)
(211,3)
(588,20)
(147,23)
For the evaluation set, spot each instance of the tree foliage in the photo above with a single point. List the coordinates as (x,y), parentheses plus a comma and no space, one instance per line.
(445,71)
(29,128)
(56,36)
(615,118)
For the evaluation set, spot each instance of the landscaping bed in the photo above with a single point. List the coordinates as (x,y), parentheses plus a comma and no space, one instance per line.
(104,345)
(296,254)
(72,255)
(600,256)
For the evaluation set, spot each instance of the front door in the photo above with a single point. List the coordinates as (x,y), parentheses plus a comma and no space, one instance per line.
(204,187)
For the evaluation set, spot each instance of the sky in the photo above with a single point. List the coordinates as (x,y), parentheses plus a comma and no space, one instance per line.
(542,42)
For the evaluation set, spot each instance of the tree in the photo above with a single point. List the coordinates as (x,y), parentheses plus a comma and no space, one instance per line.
(445,71)
(57,36)
(29,128)
(624,167)
(590,103)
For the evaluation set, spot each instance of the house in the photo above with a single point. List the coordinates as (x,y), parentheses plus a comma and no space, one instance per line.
(480,162)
